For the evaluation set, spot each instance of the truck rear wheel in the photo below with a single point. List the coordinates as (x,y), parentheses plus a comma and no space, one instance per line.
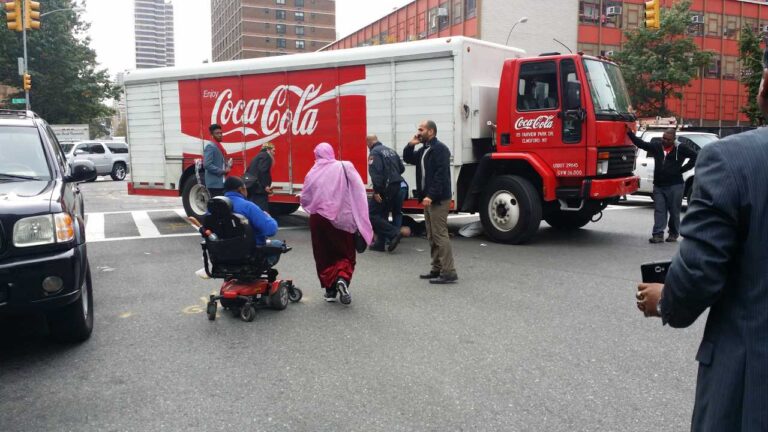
(511,210)
(282,209)
(195,198)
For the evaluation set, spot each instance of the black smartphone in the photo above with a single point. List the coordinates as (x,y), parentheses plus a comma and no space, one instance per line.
(655,272)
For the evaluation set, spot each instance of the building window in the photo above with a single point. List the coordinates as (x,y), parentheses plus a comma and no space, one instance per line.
(714,24)
(470,9)
(280,2)
(458,15)
(713,69)
(280,28)
(432,20)
(299,16)
(281,43)
(299,3)
(443,16)
(589,11)
(299,30)
(613,14)
(280,14)
(300,44)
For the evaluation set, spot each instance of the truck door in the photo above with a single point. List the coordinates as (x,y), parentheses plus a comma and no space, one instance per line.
(541,126)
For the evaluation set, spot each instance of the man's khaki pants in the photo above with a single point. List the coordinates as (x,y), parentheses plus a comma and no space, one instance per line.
(436,219)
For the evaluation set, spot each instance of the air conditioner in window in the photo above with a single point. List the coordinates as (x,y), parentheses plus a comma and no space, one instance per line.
(613,10)
(697,19)
(609,53)
(442,12)
(764,28)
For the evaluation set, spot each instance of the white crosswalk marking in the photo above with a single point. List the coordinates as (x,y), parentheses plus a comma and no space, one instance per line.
(94,227)
(144,224)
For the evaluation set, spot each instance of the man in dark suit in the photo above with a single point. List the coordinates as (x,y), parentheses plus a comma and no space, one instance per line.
(722,265)
(260,169)
(433,186)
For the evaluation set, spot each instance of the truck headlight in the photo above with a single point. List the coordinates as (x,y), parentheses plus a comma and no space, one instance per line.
(42,230)
(602,167)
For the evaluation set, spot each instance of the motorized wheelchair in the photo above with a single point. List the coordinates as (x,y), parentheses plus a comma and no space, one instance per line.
(250,278)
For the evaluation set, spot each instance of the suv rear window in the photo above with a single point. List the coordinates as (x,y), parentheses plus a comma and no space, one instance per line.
(22,153)
(117,147)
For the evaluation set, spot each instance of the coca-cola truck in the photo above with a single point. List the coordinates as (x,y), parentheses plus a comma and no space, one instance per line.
(531,138)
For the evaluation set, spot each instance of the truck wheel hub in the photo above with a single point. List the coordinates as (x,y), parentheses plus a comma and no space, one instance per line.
(504,210)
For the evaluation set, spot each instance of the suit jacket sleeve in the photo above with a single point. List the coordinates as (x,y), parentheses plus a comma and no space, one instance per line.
(699,271)
(442,158)
(410,155)
(209,155)
(264,170)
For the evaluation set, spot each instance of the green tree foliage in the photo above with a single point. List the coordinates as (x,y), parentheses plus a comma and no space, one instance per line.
(751,58)
(657,64)
(67,84)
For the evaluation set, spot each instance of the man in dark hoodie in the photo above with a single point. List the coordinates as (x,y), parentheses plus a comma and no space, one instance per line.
(668,185)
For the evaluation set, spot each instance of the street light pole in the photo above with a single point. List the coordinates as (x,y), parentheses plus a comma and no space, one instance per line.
(520,21)
(64,9)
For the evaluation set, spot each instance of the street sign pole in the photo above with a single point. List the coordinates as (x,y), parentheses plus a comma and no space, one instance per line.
(24,37)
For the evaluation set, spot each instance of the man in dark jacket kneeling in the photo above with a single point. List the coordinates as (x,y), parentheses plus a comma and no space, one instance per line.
(433,186)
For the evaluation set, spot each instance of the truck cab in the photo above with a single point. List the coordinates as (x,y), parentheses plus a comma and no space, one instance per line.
(560,150)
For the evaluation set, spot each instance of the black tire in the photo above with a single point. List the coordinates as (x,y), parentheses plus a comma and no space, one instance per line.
(569,221)
(247,312)
(282,209)
(74,323)
(516,221)
(295,295)
(119,171)
(195,198)
(279,300)
(211,311)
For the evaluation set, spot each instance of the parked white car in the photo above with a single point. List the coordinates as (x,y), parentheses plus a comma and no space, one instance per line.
(645,163)
(109,157)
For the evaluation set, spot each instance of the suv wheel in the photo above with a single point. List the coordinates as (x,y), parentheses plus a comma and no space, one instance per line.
(119,171)
(74,323)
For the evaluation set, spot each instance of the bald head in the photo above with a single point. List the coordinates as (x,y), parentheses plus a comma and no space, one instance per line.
(669,137)
(371,140)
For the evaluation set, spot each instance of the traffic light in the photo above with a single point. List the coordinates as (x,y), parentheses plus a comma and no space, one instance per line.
(31,15)
(27,82)
(13,15)
(653,14)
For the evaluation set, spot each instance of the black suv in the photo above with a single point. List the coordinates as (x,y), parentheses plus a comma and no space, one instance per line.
(43,260)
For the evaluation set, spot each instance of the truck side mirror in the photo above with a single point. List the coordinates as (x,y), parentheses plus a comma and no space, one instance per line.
(79,152)
(573,95)
(81,171)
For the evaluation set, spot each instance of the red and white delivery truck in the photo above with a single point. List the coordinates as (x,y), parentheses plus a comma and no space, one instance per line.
(532,138)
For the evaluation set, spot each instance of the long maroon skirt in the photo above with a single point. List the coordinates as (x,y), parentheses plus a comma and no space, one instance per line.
(334,251)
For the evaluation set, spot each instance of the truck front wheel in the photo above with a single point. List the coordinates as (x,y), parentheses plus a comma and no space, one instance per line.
(511,210)
(195,198)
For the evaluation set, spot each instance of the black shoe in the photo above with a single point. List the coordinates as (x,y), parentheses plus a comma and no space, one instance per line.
(444,279)
(376,248)
(656,239)
(431,275)
(671,239)
(341,286)
(330,295)
(394,242)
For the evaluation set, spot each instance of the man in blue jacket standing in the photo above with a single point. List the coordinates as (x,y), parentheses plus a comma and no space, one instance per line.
(433,186)
(213,162)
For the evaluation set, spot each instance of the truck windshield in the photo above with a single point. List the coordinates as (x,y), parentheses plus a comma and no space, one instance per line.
(609,92)
(21,155)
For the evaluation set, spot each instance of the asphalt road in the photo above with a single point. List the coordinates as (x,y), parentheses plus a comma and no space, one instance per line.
(543,337)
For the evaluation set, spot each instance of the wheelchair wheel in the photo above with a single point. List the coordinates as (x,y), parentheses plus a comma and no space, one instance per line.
(295,294)
(279,300)
(211,311)
(247,312)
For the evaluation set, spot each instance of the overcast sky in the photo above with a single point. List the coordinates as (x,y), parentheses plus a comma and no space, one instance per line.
(112,28)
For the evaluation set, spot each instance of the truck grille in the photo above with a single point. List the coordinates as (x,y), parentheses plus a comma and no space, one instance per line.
(621,162)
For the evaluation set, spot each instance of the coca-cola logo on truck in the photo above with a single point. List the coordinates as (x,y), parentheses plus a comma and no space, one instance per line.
(540,122)
(294,110)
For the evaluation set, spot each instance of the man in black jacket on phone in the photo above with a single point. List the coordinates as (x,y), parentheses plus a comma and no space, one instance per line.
(433,187)
(668,185)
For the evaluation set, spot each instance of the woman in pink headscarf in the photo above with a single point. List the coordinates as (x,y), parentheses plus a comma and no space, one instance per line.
(334,196)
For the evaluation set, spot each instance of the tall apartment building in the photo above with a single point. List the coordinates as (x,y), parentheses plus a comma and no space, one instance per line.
(260,28)
(154,34)
(591,26)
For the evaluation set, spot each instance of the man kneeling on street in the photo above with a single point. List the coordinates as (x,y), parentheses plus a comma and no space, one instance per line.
(385,169)
(668,185)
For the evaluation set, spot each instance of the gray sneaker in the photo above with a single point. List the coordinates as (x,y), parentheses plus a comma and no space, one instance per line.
(343,288)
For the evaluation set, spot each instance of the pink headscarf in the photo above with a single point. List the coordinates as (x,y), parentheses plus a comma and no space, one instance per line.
(335,196)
